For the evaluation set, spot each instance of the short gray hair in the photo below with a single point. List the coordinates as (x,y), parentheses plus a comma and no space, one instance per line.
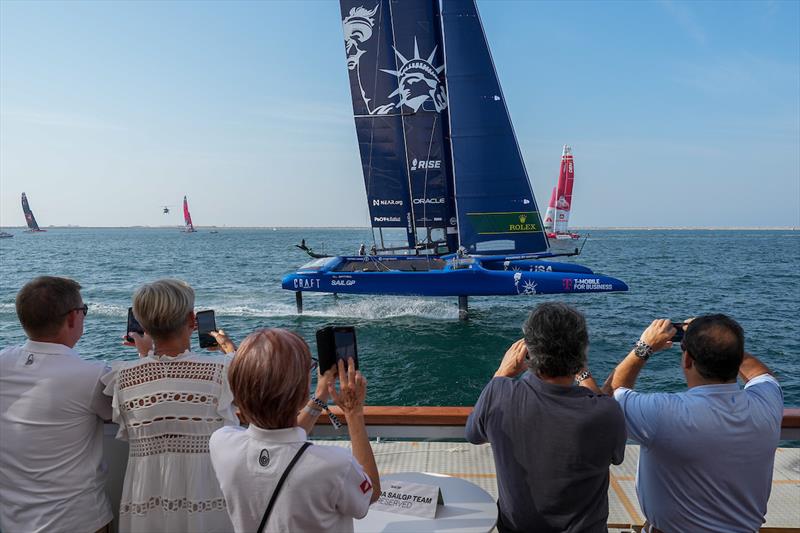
(557,339)
(161,307)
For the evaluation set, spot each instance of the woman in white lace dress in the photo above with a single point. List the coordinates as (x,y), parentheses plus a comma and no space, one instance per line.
(167,404)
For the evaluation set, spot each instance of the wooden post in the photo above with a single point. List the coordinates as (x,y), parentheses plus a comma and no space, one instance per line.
(298,298)
(463,313)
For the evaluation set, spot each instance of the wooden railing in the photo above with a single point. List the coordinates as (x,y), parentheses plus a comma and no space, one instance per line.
(448,422)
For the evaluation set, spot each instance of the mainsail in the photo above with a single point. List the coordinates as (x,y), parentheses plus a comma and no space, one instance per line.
(566,177)
(437,147)
(29,218)
(187,217)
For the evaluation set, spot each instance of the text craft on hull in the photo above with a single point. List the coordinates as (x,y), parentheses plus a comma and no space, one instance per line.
(450,203)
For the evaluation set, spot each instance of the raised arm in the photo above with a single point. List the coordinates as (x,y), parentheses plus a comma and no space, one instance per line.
(657,337)
(752,368)
(351,396)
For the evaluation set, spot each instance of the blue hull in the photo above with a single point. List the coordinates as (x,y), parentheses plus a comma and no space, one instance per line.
(475,276)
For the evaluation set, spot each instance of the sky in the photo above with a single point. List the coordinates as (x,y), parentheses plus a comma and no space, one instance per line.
(679,113)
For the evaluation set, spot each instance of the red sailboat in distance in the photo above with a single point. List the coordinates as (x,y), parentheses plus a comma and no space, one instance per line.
(556,220)
(187,218)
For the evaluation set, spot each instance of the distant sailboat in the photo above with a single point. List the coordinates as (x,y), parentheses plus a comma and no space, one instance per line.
(556,219)
(187,217)
(33,227)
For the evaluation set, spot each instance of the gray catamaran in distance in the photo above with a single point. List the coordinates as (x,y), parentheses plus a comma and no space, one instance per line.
(451,207)
(33,227)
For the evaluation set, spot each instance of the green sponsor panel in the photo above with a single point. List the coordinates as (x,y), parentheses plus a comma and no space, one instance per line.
(500,223)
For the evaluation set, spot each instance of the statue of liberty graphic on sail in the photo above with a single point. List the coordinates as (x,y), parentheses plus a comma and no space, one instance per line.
(419,81)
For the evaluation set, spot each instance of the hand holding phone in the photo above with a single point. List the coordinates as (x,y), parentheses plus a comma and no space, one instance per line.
(680,327)
(206,322)
(133,326)
(335,343)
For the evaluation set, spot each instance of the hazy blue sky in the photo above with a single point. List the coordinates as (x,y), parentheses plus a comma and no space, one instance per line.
(680,113)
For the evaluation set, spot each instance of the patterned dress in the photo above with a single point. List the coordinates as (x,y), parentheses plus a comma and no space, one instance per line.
(167,408)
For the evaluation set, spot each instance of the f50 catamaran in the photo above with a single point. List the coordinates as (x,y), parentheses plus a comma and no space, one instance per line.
(33,227)
(442,168)
(556,219)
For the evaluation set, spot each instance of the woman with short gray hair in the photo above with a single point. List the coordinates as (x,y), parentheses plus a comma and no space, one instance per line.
(167,405)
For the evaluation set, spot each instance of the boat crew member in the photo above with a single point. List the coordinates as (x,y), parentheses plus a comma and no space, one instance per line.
(362,250)
(549,478)
(52,409)
(707,454)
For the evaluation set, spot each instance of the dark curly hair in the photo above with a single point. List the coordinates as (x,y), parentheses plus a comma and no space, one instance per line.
(716,343)
(557,339)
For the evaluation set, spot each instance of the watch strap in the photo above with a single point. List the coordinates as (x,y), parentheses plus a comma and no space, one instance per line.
(643,350)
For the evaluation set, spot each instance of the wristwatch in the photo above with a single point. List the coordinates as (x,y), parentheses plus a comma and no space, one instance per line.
(643,350)
(583,375)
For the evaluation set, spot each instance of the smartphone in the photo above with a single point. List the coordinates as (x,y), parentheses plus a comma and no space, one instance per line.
(335,343)
(133,326)
(679,335)
(205,323)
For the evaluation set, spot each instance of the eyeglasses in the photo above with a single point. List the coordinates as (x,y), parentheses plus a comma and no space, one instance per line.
(314,364)
(84,308)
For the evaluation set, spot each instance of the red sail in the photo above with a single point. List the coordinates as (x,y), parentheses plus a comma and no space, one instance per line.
(566,177)
(187,218)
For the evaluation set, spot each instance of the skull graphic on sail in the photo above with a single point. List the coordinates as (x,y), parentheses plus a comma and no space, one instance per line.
(419,81)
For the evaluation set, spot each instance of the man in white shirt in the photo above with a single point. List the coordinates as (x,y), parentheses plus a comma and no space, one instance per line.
(707,454)
(52,408)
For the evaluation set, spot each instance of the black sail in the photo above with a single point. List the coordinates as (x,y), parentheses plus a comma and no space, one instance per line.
(29,218)
(368,40)
(422,97)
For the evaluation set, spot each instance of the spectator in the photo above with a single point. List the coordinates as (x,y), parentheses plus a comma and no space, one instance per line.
(167,404)
(707,453)
(327,486)
(552,440)
(52,409)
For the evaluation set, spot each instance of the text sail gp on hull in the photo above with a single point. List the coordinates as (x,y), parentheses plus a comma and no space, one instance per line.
(442,169)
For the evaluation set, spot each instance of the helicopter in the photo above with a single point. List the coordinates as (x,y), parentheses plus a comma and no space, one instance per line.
(165,209)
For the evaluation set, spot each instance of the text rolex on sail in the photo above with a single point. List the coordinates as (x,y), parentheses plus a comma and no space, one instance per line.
(451,207)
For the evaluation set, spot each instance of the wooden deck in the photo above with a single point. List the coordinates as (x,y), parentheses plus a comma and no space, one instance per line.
(431,439)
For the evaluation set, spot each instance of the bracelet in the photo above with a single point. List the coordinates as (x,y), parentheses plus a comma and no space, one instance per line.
(583,375)
(335,422)
(312,411)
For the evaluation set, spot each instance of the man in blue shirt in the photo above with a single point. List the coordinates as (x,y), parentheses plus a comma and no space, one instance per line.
(707,454)
(553,439)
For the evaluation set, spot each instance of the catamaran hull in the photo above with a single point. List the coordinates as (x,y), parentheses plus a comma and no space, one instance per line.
(473,280)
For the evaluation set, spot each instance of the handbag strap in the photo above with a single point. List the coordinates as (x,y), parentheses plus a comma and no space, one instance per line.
(274,497)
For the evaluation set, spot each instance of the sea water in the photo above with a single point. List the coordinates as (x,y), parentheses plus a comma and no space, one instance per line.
(414,351)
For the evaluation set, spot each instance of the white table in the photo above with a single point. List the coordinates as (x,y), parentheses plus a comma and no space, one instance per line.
(467,508)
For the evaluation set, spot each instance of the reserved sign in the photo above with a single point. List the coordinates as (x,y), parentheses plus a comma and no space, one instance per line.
(409,498)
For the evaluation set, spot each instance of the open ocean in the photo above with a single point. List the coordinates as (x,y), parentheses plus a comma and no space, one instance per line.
(414,351)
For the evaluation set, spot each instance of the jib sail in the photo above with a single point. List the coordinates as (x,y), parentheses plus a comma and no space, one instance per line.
(497,211)
(29,218)
(369,39)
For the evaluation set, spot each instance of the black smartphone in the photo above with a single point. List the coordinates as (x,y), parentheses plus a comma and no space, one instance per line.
(678,337)
(205,323)
(133,326)
(335,343)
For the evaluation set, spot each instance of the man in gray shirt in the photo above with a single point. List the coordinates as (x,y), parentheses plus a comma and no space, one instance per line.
(553,438)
